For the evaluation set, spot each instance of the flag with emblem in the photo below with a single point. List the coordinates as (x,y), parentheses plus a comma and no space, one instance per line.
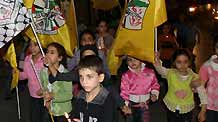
(52,25)
(14,18)
(135,35)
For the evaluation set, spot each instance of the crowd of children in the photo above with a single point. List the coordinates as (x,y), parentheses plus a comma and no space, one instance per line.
(52,81)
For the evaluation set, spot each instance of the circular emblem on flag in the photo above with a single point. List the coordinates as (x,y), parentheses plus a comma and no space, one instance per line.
(47,17)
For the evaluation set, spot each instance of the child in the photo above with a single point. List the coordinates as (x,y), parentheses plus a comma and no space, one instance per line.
(209,75)
(179,99)
(94,103)
(87,38)
(37,108)
(59,94)
(138,85)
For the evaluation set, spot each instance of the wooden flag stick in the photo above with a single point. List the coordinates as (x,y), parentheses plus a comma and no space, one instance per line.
(155,40)
(35,34)
(37,76)
(18,103)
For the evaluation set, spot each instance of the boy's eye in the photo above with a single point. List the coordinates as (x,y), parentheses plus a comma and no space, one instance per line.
(89,76)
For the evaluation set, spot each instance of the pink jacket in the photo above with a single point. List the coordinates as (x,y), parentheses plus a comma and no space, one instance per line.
(28,73)
(209,73)
(138,84)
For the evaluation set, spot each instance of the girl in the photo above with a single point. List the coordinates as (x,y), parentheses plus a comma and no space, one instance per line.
(209,75)
(179,98)
(37,108)
(138,85)
(59,94)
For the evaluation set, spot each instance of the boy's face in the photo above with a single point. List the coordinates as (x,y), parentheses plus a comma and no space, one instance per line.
(90,79)
(34,48)
(87,39)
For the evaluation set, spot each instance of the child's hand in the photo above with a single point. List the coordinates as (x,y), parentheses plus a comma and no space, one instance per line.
(153,98)
(181,94)
(48,96)
(39,92)
(76,120)
(48,105)
(126,110)
(47,61)
(202,116)
(157,58)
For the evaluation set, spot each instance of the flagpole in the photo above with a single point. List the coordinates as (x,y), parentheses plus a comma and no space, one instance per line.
(18,103)
(34,69)
(155,40)
(35,34)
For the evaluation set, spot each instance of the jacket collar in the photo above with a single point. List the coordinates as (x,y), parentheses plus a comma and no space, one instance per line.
(99,99)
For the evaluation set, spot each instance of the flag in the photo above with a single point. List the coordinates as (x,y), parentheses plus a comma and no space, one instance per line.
(14,18)
(135,35)
(55,26)
(105,4)
(28,3)
(10,56)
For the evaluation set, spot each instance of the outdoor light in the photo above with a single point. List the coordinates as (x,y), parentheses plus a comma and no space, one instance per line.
(209,6)
(216,17)
(192,9)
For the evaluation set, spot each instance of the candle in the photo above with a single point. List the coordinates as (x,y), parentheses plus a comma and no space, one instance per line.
(67,116)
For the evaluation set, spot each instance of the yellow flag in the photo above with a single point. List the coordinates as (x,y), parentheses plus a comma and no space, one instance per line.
(66,35)
(135,35)
(10,56)
(105,4)
(160,12)
(28,3)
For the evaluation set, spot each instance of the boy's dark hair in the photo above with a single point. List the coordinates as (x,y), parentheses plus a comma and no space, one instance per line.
(87,32)
(89,47)
(180,52)
(102,20)
(61,52)
(92,62)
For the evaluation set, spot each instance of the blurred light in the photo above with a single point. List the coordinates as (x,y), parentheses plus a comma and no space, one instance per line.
(209,6)
(216,17)
(192,9)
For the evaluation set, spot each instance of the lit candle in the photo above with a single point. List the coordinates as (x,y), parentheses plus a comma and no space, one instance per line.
(67,116)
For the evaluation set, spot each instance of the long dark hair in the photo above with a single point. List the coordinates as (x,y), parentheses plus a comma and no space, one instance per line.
(180,52)
(61,52)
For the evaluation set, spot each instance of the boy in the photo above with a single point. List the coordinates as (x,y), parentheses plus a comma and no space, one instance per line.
(94,103)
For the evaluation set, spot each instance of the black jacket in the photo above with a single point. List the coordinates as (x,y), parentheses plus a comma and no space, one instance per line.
(101,109)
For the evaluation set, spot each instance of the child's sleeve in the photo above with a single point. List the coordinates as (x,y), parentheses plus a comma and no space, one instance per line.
(67,76)
(76,108)
(64,94)
(109,112)
(203,73)
(124,87)
(155,87)
(162,70)
(202,95)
